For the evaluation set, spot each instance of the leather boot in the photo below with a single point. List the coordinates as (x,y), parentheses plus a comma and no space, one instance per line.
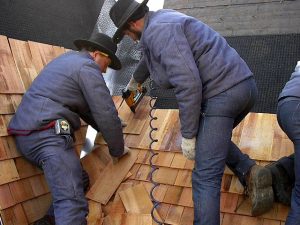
(281,183)
(259,188)
(46,220)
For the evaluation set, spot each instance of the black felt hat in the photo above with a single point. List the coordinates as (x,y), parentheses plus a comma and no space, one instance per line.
(120,12)
(103,43)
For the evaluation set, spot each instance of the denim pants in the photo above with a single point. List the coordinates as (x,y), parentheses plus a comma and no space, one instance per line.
(55,154)
(288,116)
(214,148)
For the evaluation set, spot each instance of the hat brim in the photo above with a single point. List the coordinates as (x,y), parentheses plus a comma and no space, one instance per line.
(115,62)
(118,36)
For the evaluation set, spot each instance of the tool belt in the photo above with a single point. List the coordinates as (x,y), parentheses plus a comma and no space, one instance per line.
(61,127)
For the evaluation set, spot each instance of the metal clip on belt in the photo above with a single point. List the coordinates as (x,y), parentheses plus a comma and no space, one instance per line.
(62,127)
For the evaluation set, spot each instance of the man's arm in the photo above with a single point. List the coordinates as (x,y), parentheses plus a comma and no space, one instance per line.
(102,107)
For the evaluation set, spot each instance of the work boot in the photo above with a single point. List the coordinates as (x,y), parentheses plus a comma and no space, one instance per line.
(46,220)
(259,189)
(281,183)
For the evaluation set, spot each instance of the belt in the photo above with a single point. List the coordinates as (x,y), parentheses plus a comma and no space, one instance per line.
(61,126)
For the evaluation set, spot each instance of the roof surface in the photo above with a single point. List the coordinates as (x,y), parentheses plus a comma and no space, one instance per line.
(119,193)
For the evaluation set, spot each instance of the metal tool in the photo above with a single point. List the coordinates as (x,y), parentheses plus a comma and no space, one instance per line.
(133,98)
(89,142)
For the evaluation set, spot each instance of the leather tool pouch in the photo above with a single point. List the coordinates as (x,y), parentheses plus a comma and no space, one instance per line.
(62,127)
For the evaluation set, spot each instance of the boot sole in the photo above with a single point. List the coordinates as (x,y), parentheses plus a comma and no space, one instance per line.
(262,201)
(262,196)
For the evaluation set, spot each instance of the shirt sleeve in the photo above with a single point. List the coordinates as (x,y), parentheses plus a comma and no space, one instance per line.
(141,72)
(102,108)
(170,48)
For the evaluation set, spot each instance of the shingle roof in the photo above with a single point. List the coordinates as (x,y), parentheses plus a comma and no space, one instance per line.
(123,188)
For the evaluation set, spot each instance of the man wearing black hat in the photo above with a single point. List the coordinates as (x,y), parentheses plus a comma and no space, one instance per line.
(214,89)
(69,88)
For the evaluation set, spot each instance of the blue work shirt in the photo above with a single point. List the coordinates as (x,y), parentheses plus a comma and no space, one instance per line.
(70,87)
(183,53)
(291,88)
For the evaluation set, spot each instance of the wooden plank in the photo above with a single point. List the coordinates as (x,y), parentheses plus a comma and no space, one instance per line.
(4,121)
(226,182)
(23,60)
(10,80)
(179,161)
(128,219)
(16,100)
(143,157)
(173,195)
(25,168)
(137,200)
(3,154)
(95,162)
(186,197)
(6,106)
(187,216)
(230,219)
(165,175)
(58,50)
(21,190)
(42,54)
(9,146)
(36,208)
(39,185)
(3,127)
(6,198)
(257,136)
(9,171)
(163,159)
(143,173)
(118,100)
(184,178)
(229,202)
(271,222)
(110,178)
(135,121)
(174,215)
(95,213)
(163,210)
(14,216)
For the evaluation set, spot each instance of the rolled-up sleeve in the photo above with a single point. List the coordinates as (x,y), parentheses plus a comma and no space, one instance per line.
(172,51)
(102,108)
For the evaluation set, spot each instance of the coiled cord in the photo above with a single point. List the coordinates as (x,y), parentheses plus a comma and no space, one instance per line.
(153,154)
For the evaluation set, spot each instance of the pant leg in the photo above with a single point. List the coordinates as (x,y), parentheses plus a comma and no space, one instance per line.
(288,115)
(287,162)
(220,114)
(211,151)
(62,170)
(239,162)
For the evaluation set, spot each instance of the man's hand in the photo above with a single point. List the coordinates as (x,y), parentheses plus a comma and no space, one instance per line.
(116,159)
(188,147)
(132,85)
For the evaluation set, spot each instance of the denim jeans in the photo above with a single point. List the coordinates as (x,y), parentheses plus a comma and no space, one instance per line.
(214,148)
(288,116)
(55,154)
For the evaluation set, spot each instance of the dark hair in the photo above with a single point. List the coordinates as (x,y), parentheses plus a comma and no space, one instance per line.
(90,49)
(138,14)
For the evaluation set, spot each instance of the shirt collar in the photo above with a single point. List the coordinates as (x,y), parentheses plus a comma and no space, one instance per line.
(146,23)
